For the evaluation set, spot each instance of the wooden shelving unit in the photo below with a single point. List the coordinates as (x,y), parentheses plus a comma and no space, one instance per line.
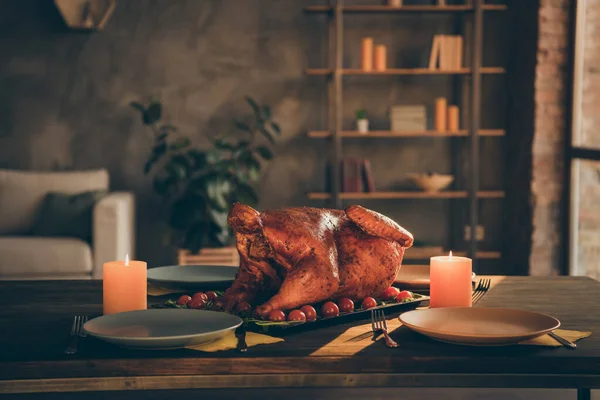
(404,71)
(406,134)
(404,9)
(335,71)
(450,194)
(489,255)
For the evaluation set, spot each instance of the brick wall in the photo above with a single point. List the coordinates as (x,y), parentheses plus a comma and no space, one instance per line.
(551,93)
(588,240)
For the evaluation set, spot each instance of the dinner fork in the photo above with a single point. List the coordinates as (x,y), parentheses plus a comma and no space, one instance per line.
(379,325)
(76,332)
(482,287)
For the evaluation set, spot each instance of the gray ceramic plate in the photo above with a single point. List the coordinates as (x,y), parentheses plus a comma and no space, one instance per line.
(205,277)
(162,328)
(479,326)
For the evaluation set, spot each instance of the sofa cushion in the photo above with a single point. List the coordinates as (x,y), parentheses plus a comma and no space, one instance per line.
(68,215)
(22,193)
(29,257)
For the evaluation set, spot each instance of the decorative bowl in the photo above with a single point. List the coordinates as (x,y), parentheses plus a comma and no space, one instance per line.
(430,182)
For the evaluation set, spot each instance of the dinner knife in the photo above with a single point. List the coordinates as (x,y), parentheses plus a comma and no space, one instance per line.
(562,340)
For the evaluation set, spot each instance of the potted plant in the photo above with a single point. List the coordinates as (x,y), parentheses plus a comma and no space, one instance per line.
(198,186)
(362,123)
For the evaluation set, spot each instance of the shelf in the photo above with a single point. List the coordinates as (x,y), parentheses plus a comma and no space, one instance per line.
(490,255)
(404,71)
(451,194)
(406,134)
(407,8)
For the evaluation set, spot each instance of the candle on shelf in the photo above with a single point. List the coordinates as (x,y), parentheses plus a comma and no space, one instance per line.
(366,54)
(124,286)
(380,58)
(453,125)
(395,3)
(441,112)
(450,281)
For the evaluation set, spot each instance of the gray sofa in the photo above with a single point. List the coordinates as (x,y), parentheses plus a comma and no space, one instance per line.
(23,256)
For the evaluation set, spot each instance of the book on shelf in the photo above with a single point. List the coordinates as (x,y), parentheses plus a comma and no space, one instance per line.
(356,176)
(351,175)
(446,52)
(367,176)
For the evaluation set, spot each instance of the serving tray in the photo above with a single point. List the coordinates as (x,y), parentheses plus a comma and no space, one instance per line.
(289,327)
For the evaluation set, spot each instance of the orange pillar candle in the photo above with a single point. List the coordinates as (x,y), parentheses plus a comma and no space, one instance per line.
(450,281)
(441,111)
(366,54)
(453,119)
(380,58)
(124,286)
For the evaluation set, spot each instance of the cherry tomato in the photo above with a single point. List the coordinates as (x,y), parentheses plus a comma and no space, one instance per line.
(330,309)
(346,305)
(277,316)
(310,312)
(296,315)
(197,303)
(200,295)
(403,296)
(368,302)
(390,293)
(244,308)
(211,296)
(184,300)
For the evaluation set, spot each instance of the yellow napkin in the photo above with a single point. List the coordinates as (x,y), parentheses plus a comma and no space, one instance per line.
(546,340)
(158,291)
(229,342)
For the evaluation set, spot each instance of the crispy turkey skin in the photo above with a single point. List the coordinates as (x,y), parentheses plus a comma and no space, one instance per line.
(296,256)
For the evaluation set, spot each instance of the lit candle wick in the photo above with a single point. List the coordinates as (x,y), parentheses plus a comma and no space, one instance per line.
(450,255)
(126,259)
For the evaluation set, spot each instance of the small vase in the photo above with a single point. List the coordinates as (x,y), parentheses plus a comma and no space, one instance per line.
(362,125)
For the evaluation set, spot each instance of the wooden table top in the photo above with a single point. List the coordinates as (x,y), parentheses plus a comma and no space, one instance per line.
(35,318)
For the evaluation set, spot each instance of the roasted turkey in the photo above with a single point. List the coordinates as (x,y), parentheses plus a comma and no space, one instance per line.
(296,256)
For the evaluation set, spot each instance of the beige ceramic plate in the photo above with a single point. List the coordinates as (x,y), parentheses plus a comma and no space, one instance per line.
(414,277)
(479,326)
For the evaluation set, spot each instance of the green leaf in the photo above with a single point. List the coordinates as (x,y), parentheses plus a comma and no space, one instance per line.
(157,152)
(242,125)
(161,137)
(223,145)
(212,156)
(246,194)
(276,128)
(266,133)
(218,190)
(176,170)
(138,106)
(148,166)
(153,113)
(180,143)
(254,106)
(254,173)
(265,112)
(198,158)
(264,152)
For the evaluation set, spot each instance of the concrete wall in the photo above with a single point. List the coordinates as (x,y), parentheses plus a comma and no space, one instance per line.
(64,96)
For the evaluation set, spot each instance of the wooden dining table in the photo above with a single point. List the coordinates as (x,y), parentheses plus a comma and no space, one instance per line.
(36,318)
